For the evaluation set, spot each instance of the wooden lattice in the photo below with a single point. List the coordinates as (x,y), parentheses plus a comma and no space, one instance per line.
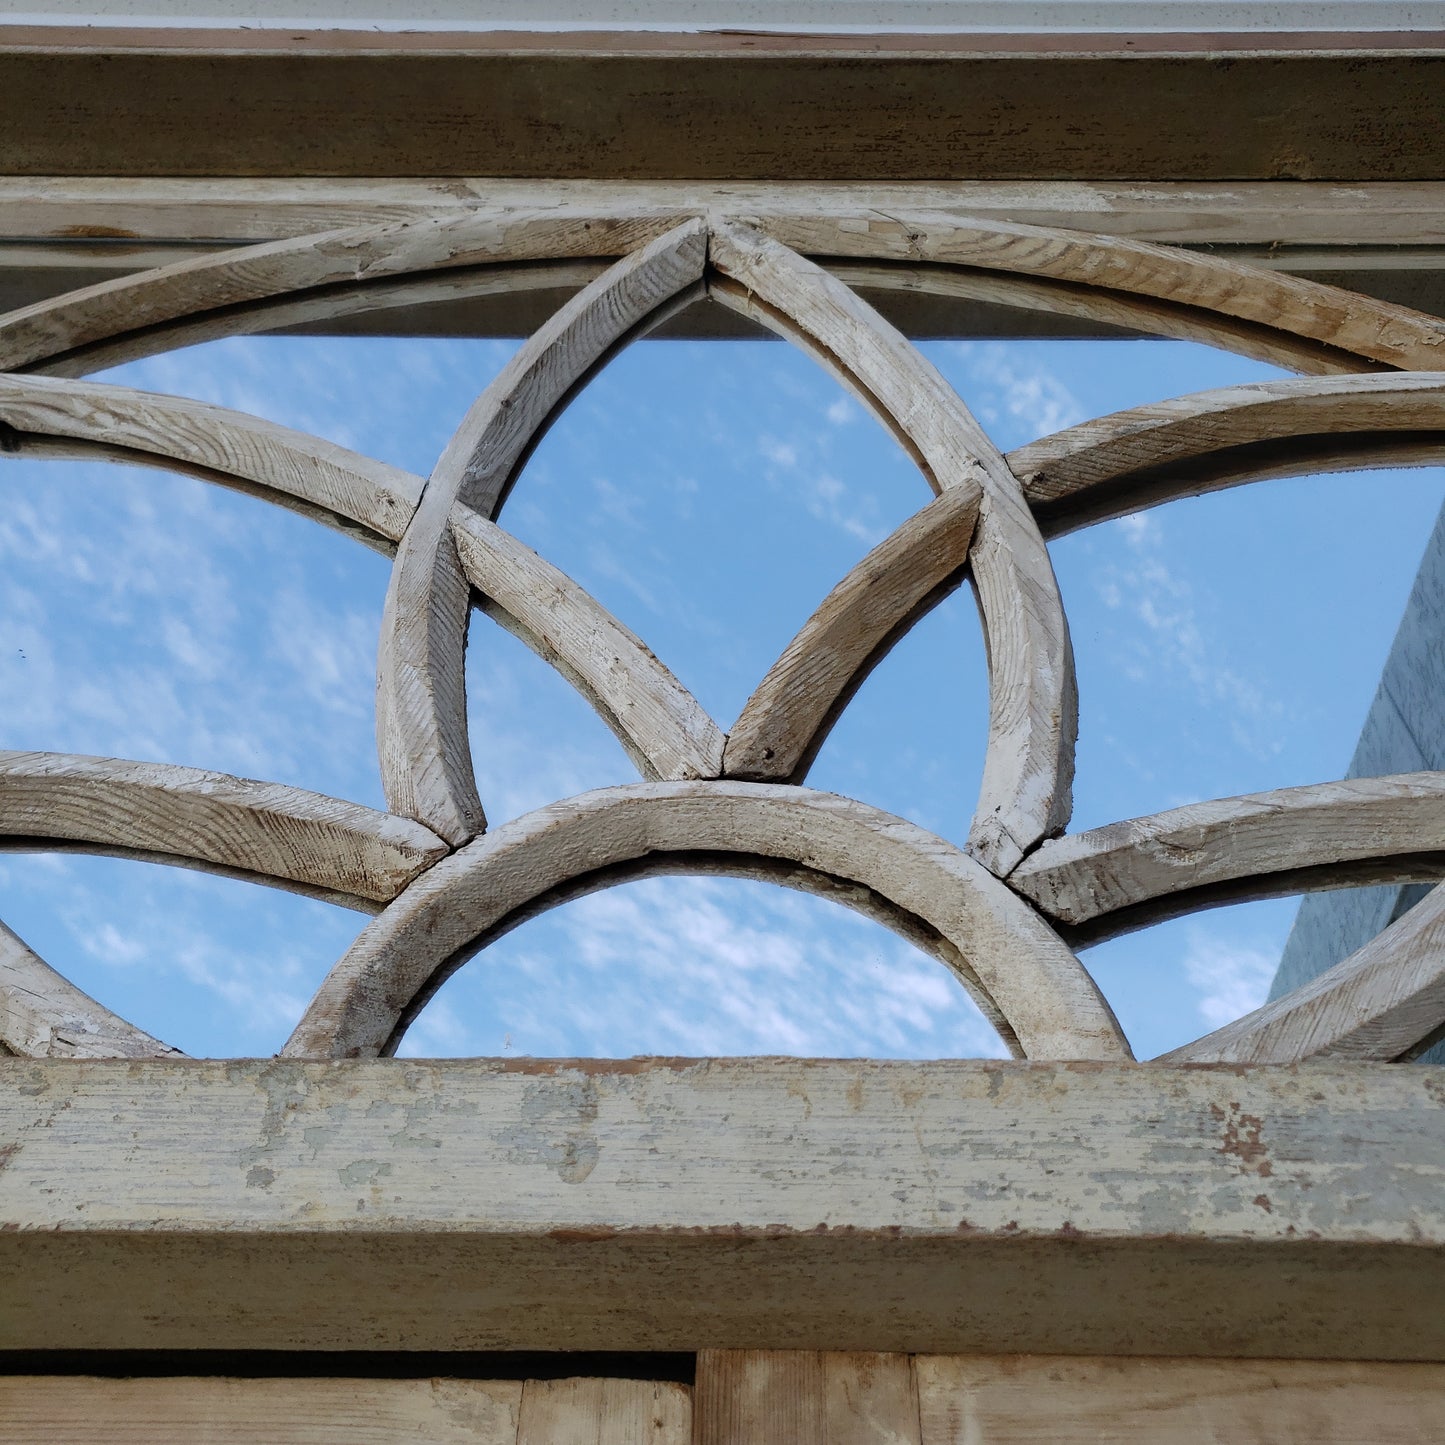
(1001,913)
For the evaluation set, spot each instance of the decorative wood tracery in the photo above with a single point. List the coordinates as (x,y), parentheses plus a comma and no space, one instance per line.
(997,915)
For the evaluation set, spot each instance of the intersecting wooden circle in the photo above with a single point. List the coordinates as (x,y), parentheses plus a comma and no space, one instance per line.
(1001,913)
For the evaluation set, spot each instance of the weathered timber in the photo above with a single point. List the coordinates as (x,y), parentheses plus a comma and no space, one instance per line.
(212,1410)
(1190,445)
(790,713)
(1033,704)
(44,1016)
(859,107)
(1032,988)
(536,1204)
(1233,849)
(806,1397)
(1038,1400)
(345,489)
(605,1412)
(268,831)
(1385,1001)
(663,727)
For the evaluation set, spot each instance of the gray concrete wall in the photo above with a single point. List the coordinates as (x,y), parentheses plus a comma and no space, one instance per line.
(1404,732)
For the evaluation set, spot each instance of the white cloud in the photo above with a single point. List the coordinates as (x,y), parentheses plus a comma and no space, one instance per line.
(1231,979)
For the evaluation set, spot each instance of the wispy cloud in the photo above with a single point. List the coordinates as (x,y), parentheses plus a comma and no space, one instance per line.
(1231,979)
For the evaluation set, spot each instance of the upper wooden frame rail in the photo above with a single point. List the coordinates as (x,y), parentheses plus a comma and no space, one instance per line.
(998,915)
(1328,106)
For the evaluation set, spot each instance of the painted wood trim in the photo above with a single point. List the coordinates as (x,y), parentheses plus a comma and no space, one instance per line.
(663,727)
(421,706)
(1236,848)
(44,1016)
(1190,445)
(773,1203)
(1386,1001)
(267,830)
(342,488)
(790,713)
(1014,965)
(1033,704)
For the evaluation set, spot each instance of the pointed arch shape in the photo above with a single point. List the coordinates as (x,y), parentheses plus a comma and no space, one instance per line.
(421,713)
(1033,702)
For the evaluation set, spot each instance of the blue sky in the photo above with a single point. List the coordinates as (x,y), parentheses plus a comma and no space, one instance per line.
(709,494)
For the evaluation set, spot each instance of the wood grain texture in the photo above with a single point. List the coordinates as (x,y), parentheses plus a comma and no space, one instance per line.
(1194,444)
(1033,704)
(663,727)
(1030,985)
(851,107)
(206,1410)
(805,1396)
(1042,1400)
(340,307)
(59,330)
(605,1412)
(1338,324)
(1385,1001)
(760,1203)
(340,487)
(44,1016)
(266,830)
(1239,842)
(270,208)
(790,713)
(421,705)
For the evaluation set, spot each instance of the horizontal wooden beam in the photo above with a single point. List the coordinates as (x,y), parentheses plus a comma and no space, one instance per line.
(672,1204)
(727,105)
(58,234)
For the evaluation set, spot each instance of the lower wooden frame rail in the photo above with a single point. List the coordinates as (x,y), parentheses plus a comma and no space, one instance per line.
(762,1397)
(656,1204)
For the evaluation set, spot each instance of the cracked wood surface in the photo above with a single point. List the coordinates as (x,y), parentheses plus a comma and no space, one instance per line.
(774,1203)
(1034,990)
(421,707)
(271,832)
(1234,849)
(1189,445)
(1033,702)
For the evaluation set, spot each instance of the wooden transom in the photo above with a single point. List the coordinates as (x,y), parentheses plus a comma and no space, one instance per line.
(1004,912)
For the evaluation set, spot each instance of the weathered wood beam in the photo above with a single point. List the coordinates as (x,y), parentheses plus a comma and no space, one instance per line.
(724,105)
(528,1204)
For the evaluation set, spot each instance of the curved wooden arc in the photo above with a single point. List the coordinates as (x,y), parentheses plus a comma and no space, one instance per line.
(1384,1002)
(788,717)
(61,329)
(1190,445)
(341,487)
(1121,311)
(44,1016)
(1339,324)
(1014,959)
(1033,703)
(265,830)
(663,727)
(421,706)
(314,309)
(1102,883)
